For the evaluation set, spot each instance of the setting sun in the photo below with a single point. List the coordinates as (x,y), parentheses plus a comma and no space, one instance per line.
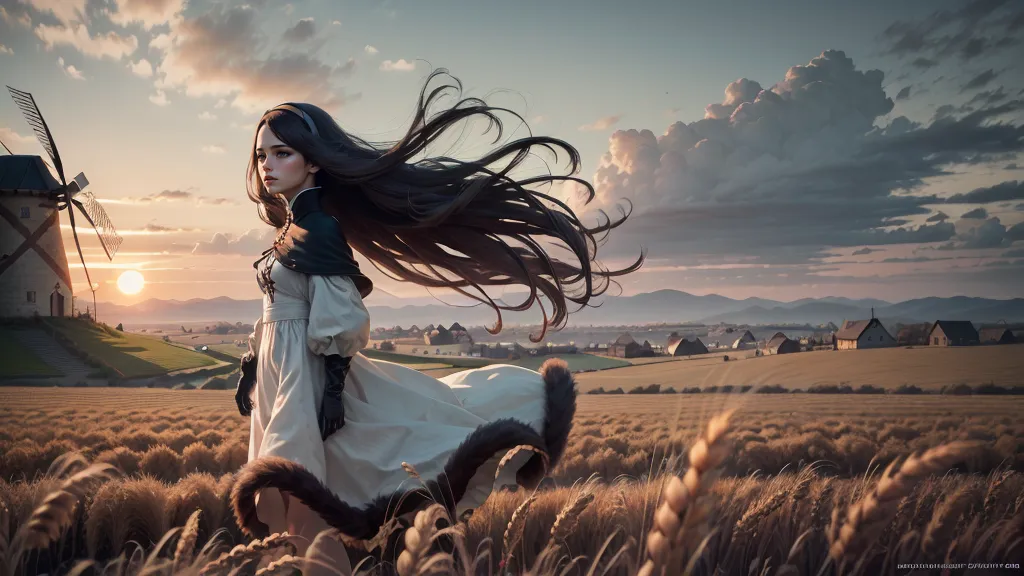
(131,282)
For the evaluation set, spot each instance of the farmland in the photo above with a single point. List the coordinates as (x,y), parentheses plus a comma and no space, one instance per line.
(178,449)
(929,368)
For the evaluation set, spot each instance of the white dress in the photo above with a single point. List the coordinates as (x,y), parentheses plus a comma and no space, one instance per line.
(455,430)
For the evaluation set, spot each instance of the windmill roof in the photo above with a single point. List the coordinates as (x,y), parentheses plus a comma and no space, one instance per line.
(852,329)
(22,173)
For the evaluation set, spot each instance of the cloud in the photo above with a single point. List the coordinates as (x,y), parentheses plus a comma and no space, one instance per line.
(206,115)
(976,214)
(924,63)
(903,94)
(302,31)
(16,14)
(980,80)
(783,173)
(70,70)
(400,65)
(335,22)
(969,32)
(171,196)
(160,98)
(148,13)
(937,217)
(989,97)
(223,52)
(601,124)
(251,242)
(10,137)
(990,233)
(142,68)
(370,49)
(65,11)
(5,50)
(213,149)
(1002,192)
(148,230)
(76,35)
(864,251)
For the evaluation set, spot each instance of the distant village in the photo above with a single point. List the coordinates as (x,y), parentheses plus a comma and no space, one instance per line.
(456,340)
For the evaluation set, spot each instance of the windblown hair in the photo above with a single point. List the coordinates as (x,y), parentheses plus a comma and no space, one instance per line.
(447,223)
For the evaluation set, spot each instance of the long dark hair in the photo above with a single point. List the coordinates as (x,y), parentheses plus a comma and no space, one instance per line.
(447,223)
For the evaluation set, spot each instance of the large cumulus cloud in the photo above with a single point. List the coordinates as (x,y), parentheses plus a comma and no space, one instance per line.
(791,169)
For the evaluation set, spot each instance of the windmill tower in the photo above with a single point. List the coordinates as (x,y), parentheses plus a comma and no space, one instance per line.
(34,275)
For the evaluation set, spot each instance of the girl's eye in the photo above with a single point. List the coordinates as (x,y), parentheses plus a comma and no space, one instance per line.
(282,154)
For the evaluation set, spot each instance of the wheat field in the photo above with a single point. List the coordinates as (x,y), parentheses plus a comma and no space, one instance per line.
(128,481)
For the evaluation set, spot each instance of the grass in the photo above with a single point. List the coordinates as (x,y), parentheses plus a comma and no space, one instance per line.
(132,355)
(18,361)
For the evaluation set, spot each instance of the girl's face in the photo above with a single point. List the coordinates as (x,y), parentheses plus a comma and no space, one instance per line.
(281,168)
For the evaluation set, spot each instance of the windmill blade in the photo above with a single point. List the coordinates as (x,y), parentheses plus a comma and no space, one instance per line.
(97,216)
(6,148)
(34,118)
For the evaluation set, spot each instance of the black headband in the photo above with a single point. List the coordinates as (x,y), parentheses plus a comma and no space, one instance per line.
(299,112)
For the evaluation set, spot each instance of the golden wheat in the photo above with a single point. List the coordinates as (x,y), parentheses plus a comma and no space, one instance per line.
(865,519)
(418,539)
(244,554)
(185,548)
(678,529)
(516,526)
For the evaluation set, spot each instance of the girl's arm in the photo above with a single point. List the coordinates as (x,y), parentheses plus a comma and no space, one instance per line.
(339,327)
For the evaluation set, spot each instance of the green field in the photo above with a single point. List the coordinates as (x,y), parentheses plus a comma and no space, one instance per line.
(17,360)
(131,355)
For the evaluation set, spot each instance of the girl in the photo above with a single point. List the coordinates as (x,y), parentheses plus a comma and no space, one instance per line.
(332,429)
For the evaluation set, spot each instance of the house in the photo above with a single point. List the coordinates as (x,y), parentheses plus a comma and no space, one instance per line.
(859,334)
(913,334)
(953,333)
(683,347)
(440,336)
(780,344)
(740,340)
(626,347)
(998,335)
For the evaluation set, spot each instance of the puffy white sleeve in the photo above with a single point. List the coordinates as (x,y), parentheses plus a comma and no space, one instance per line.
(254,337)
(338,321)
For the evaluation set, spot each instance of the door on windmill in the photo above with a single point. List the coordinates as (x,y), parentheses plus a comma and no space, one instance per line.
(56,304)
(30,296)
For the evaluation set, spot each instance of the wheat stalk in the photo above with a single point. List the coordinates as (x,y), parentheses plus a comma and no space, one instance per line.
(284,565)
(516,527)
(55,514)
(568,518)
(243,554)
(411,471)
(752,518)
(992,494)
(679,523)
(944,519)
(5,518)
(865,519)
(183,551)
(418,539)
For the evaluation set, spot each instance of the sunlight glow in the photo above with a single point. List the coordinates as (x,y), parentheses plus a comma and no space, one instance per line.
(131,282)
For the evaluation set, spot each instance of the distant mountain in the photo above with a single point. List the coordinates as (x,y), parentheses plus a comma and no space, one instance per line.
(651,307)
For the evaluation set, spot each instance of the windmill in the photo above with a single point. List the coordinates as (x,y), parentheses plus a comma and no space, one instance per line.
(32,257)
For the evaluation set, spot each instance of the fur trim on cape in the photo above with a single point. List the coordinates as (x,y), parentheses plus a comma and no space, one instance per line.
(497,437)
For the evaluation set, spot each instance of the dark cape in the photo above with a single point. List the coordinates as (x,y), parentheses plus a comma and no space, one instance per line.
(314,243)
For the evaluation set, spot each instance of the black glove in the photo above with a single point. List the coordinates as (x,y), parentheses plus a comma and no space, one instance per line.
(245,383)
(332,409)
